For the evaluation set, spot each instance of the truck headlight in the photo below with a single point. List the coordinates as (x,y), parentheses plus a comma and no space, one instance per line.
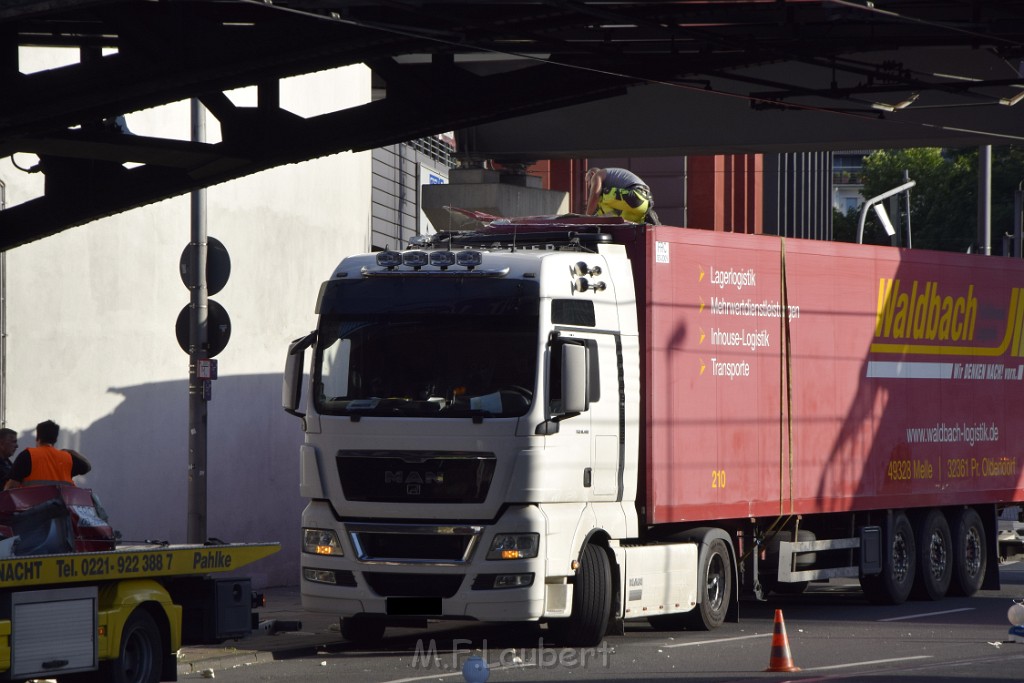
(514,546)
(321,542)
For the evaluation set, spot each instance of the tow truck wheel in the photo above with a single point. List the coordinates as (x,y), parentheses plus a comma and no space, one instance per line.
(934,556)
(899,566)
(591,602)
(140,653)
(970,555)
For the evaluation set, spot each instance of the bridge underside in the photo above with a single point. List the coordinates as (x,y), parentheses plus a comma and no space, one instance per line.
(518,80)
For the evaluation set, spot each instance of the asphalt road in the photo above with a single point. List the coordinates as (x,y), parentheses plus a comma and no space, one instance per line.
(832,631)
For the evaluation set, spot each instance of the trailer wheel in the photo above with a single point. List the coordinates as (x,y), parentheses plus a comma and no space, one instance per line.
(899,566)
(364,629)
(140,653)
(935,557)
(591,602)
(970,554)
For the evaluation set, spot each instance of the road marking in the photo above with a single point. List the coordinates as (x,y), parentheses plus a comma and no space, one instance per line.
(426,678)
(717,640)
(928,614)
(437,676)
(874,661)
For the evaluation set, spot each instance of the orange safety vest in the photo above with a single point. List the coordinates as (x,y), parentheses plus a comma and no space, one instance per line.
(49,465)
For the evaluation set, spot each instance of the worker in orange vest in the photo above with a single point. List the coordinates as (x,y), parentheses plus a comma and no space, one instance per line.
(46,464)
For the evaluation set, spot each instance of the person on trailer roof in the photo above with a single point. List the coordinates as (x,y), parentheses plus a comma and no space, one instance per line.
(46,464)
(619,192)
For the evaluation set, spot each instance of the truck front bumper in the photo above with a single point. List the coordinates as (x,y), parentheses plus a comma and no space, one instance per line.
(510,604)
(464,587)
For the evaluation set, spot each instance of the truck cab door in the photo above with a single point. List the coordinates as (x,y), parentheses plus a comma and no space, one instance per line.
(584,398)
(605,422)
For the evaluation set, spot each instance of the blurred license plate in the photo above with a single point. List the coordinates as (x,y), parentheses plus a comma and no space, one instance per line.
(413,607)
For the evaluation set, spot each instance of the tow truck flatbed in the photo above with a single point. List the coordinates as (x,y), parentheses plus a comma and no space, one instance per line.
(129,562)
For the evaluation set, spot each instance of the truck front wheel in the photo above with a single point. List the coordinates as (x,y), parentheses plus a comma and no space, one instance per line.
(591,602)
(140,653)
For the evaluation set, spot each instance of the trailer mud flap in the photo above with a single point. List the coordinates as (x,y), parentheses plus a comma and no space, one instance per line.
(870,551)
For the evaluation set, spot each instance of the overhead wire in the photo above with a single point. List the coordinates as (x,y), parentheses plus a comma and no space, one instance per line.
(870,7)
(867,113)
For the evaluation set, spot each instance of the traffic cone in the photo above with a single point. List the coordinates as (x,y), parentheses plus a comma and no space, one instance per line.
(781,659)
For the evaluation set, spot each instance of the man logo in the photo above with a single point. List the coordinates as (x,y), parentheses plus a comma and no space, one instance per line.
(401,477)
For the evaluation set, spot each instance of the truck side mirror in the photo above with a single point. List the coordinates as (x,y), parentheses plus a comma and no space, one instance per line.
(574,382)
(291,385)
(575,377)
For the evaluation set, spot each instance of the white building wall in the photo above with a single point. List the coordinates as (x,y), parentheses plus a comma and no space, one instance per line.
(90,318)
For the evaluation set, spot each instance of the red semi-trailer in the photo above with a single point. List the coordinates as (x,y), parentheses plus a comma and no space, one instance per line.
(604,421)
(898,381)
(889,391)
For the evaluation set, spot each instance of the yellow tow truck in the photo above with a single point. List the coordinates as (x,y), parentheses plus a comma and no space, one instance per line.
(103,611)
(120,615)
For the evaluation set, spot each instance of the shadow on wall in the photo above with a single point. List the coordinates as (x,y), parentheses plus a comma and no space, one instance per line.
(140,459)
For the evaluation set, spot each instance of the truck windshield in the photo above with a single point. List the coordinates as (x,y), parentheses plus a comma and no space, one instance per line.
(426,347)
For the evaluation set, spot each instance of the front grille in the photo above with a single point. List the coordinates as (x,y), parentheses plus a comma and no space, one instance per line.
(415,476)
(413,585)
(413,543)
(411,547)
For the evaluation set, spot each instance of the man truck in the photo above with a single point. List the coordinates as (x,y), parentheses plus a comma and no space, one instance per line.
(580,421)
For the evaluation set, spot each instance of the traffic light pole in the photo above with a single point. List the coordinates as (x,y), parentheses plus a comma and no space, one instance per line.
(198,343)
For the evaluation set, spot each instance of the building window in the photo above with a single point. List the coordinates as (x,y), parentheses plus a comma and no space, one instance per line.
(847,169)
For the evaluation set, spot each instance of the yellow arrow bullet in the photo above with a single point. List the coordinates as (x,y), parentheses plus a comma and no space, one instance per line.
(701,304)
(701,278)
(702,335)
(702,366)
